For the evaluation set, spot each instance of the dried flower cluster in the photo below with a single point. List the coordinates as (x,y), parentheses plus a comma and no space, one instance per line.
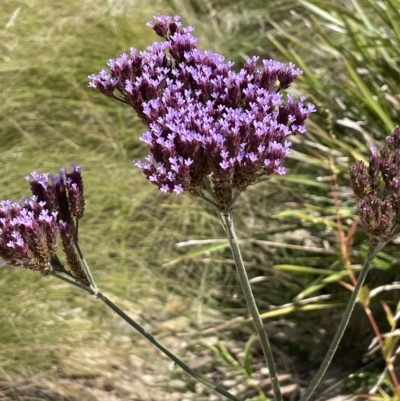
(29,230)
(378,187)
(210,129)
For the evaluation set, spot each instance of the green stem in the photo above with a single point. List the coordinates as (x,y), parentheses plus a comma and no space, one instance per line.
(85,266)
(164,350)
(72,282)
(148,336)
(227,221)
(55,264)
(374,248)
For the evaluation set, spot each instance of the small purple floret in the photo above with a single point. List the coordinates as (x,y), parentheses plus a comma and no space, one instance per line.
(28,233)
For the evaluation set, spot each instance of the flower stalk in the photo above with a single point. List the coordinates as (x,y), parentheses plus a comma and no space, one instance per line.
(378,188)
(227,221)
(148,336)
(212,131)
(29,233)
(374,248)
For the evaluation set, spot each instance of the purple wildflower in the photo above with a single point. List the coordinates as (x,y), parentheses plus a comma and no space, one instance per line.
(29,231)
(211,130)
(62,192)
(378,187)
(28,234)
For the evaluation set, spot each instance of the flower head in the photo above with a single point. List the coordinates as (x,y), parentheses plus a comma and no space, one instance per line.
(62,192)
(29,230)
(28,234)
(378,187)
(211,129)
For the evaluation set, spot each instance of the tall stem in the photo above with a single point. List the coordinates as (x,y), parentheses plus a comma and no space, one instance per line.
(374,248)
(227,221)
(148,336)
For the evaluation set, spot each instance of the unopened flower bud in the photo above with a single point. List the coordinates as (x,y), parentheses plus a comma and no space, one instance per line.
(378,187)
(73,261)
(74,185)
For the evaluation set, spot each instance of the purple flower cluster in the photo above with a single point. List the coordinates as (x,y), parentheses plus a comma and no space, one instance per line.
(29,231)
(210,129)
(28,234)
(62,192)
(378,187)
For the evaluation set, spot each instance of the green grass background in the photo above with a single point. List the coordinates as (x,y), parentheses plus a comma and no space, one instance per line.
(350,54)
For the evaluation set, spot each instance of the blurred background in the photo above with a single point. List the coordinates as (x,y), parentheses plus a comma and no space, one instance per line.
(162,258)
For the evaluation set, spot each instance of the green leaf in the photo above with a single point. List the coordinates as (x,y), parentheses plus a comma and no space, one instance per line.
(303,270)
(300,308)
(366,96)
(247,354)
